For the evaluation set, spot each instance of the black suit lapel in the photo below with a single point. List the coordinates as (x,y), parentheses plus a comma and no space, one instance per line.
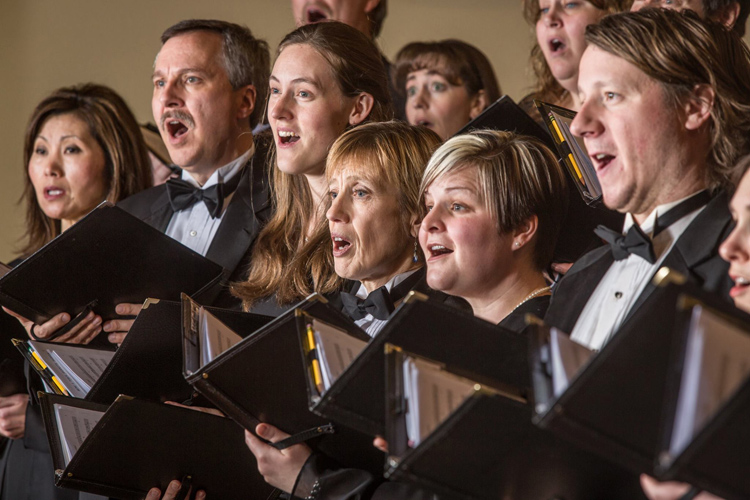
(243,218)
(161,212)
(571,294)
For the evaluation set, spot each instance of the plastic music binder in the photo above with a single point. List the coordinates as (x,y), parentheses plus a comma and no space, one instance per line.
(262,379)
(137,445)
(488,448)
(613,405)
(106,258)
(430,329)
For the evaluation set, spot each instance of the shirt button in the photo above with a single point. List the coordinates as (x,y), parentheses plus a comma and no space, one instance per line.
(193,233)
(618,295)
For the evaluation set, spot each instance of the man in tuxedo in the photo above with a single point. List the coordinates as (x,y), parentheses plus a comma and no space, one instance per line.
(664,118)
(209,91)
(731,13)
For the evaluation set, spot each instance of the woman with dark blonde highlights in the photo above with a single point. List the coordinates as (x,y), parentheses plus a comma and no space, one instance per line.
(327,78)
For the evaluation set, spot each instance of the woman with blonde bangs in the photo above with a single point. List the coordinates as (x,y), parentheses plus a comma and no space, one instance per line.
(327,78)
(559,27)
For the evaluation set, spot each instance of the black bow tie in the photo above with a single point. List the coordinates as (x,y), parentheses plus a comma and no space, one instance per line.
(378,303)
(182,194)
(636,242)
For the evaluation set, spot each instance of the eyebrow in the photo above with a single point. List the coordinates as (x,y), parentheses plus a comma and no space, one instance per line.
(182,72)
(429,72)
(299,80)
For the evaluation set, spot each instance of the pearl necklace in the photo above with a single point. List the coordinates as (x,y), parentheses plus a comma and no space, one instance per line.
(535,293)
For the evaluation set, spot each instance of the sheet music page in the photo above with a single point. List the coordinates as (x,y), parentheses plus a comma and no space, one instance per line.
(567,357)
(580,154)
(215,337)
(433,395)
(336,350)
(74,425)
(76,368)
(717,362)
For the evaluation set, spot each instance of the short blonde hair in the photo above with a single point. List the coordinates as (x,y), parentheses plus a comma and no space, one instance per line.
(518,176)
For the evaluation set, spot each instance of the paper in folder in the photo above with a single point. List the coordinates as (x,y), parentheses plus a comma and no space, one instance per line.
(106,258)
(124,449)
(612,403)
(356,397)
(706,437)
(261,378)
(466,439)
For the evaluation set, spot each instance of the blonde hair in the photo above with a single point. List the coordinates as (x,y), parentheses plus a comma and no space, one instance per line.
(518,176)
(680,51)
(357,67)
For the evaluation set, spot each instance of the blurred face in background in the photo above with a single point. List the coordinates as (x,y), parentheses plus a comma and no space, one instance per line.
(351,12)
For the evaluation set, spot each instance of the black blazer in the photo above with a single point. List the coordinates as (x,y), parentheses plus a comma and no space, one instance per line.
(245,216)
(695,255)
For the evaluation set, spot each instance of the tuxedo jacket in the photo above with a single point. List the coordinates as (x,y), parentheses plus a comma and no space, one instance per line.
(244,217)
(695,255)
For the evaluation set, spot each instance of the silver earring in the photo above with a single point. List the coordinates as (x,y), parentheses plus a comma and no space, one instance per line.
(415,258)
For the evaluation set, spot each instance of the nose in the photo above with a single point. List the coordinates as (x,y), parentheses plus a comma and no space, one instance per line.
(53,165)
(433,221)
(552,17)
(735,247)
(586,122)
(279,107)
(337,211)
(170,95)
(420,99)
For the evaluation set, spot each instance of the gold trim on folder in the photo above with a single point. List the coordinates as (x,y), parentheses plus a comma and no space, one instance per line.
(414,295)
(666,276)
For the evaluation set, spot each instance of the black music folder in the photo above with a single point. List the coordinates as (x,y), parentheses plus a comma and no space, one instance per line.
(131,446)
(106,258)
(612,403)
(424,327)
(261,378)
(461,438)
(148,364)
(706,436)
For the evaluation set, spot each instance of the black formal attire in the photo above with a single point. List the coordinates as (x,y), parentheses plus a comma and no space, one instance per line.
(322,479)
(695,254)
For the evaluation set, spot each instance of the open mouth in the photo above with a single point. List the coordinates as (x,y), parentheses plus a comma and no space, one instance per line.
(53,192)
(424,123)
(556,45)
(315,15)
(340,245)
(176,129)
(601,160)
(288,137)
(438,250)
(741,285)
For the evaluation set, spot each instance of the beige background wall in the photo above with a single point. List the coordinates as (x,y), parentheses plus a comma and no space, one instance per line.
(45,44)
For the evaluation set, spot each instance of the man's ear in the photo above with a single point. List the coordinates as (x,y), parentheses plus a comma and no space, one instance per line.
(247,95)
(698,106)
(478,103)
(371,5)
(728,15)
(363,104)
(524,233)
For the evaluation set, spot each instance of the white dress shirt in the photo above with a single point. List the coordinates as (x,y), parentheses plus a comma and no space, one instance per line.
(194,227)
(623,283)
(370,324)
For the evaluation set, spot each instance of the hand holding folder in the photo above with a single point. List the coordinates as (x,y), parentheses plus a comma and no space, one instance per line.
(279,468)
(81,330)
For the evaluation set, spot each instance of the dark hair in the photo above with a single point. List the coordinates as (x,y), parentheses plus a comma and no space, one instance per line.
(714,7)
(246,58)
(459,62)
(112,125)
(377,16)
(680,50)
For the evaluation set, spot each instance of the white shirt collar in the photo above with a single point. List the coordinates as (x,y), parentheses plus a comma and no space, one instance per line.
(225,173)
(648,225)
(399,278)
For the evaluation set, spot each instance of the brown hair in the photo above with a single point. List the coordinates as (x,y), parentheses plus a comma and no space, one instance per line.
(390,153)
(377,17)
(246,59)
(518,176)
(680,51)
(358,68)
(547,88)
(112,125)
(459,62)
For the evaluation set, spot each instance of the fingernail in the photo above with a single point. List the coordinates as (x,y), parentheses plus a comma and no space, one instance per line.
(112,338)
(120,309)
(97,320)
(106,326)
(200,496)
(65,318)
(174,487)
(261,429)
